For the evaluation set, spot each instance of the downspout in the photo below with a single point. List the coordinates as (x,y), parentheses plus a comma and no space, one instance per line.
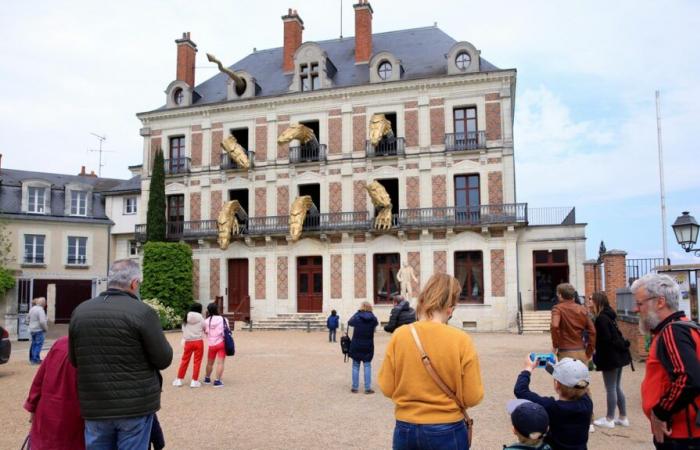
(109,247)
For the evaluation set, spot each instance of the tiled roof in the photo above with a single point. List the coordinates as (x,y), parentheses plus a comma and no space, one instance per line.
(131,185)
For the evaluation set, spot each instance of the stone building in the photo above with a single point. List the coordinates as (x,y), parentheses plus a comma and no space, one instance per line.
(122,203)
(448,169)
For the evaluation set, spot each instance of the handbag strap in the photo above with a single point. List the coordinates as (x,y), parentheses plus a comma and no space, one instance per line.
(434,375)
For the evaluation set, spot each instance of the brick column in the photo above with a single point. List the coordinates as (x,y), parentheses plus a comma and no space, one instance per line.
(195,206)
(414,262)
(410,114)
(335,201)
(260,139)
(360,276)
(282,124)
(591,276)
(282,200)
(493,120)
(359,132)
(440,261)
(335,132)
(437,121)
(260,264)
(196,153)
(215,204)
(282,277)
(336,276)
(498,273)
(217,136)
(214,277)
(413,192)
(615,274)
(439,191)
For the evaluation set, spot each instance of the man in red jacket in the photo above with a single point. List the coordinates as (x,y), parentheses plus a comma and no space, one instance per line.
(671,386)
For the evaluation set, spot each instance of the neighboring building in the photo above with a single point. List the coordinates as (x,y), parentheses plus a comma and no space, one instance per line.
(59,236)
(449,171)
(122,203)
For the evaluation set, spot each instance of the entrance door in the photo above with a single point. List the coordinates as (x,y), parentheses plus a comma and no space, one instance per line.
(238,298)
(309,284)
(69,294)
(550,268)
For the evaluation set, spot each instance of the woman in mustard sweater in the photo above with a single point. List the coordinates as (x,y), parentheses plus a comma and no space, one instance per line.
(426,417)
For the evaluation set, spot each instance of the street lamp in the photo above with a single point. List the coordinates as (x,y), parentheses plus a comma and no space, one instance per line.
(686,229)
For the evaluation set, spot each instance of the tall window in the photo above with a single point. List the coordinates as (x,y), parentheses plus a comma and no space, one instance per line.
(465,127)
(469,270)
(467,198)
(133,248)
(35,199)
(77,250)
(310,80)
(386,266)
(78,203)
(176,208)
(34,248)
(177,162)
(130,205)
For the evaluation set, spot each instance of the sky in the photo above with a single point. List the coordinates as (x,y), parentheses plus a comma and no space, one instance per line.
(585,121)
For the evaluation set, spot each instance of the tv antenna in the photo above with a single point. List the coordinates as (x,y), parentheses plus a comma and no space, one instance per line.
(100,151)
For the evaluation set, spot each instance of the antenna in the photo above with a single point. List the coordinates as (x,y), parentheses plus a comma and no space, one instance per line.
(101,139)
(661,175)
(341,19)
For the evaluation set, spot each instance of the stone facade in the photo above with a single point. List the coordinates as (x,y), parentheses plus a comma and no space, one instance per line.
(440,261)
(498,275)
(360,276)
(336,276)
(282,200)
(495,188)
(437,121)
(260,140)
(414,262)
(413,192)
(335,202)
(260,277)
(195,206)
(214,277)
(216,204)
(282,277)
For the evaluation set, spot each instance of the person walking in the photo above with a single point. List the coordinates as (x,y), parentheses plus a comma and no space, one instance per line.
(671,385)
(426,415)
(214,329)
(611,355)
(53,403)
(38,327)
(192,335)
(364,322)
(401,314)
(332,324)
(573,333)
(117,345)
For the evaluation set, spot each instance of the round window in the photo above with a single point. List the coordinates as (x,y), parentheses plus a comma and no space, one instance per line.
(178,96)
(463,60)
(384,70)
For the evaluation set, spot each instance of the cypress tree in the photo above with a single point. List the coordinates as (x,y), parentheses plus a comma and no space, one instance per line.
(155,218)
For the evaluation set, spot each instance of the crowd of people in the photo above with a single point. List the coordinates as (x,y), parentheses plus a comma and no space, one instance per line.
(100,386)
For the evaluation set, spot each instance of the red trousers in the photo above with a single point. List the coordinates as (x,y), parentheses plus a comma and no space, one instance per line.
(196,348)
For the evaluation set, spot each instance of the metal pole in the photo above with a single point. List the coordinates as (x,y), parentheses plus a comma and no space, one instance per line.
(341,19)
(661,177)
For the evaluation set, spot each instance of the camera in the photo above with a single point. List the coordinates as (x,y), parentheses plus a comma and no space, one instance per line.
(543,358)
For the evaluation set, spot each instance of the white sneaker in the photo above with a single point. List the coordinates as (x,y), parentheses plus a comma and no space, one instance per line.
(623,422)
(603,422)
(195,384)
(591,429)
(177,382)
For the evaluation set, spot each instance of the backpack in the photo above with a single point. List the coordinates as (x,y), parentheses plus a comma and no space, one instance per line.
(229,344)
(345,344)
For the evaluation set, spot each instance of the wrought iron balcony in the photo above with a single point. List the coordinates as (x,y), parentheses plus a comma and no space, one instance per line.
(269,225)
(140,232)
(386,147)
(308,152)
(465,141)
(463,216)
(340,221)
(565,215)
(227,163)
(191,229)
(175,166)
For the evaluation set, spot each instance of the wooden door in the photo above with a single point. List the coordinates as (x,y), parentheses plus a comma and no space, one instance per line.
(309,284)
(69,294)
(238,298)
(550,268)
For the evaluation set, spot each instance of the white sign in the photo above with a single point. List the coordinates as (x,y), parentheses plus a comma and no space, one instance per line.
(683,280)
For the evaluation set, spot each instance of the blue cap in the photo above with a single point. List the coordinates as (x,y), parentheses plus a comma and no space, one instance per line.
(528,418)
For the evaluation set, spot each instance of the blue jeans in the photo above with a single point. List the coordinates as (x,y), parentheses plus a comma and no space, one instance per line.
(443,436)
(35,348)
(356,374)
(119,434)
(331,335)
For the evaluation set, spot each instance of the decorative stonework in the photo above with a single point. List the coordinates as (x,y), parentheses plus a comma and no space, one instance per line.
(260,139)
(498,275)
(260,278)
(196,148)
(439,191)
(437,125)
(359,238)
(493,121)
(282,200)
(414,262)
(195,279)
(336,197)
(360,276)
(260,202)
(412,192)
(336,276)
(282,149)
(195,206)
(493,160)
(440,261)
(359,133)
(216,204)
(217,136)
(495,188)
(359,195)
(492,96)
(411,127)
(214,278)
(335,132)
(282,277)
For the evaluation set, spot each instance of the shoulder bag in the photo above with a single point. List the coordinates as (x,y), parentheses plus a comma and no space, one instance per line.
(468,421)
(229,345)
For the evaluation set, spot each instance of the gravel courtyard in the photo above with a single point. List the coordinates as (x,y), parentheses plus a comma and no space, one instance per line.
(291,390)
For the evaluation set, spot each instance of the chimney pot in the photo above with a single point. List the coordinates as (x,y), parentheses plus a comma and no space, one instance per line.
(186,55)
(82,170)
(363,31)
(293,28)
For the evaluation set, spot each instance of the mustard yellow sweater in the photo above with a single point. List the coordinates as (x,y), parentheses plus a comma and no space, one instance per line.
(403,377)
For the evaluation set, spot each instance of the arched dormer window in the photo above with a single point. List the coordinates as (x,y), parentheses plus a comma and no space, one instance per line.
(313,69)
(463,57)
(384,67)
(247,88)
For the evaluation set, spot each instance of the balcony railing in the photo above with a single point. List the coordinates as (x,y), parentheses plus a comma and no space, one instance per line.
(229,164)
(268,225)
(38,259)
(465,216)
(79,260)
(176,166)
(340,221)
(308,152)
(386,147)
(465,141)
(565,215)
(140,232)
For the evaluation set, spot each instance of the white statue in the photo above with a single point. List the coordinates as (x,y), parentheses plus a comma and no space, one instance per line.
(406,276)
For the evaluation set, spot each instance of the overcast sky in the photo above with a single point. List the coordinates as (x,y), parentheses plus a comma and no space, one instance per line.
(585,124)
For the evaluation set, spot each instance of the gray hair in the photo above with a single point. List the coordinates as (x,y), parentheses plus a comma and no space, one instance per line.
(661,286)
(41,301)
(122,272)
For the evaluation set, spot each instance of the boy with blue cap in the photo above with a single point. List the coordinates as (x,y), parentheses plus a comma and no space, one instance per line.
(530,424)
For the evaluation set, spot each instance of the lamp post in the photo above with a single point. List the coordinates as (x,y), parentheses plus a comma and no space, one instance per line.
(686,230)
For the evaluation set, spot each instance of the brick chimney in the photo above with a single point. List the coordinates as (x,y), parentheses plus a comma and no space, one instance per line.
(82,171)
(293,28)
(186,55)
(363,31)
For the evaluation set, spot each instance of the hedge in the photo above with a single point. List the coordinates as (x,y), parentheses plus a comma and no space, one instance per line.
(7,281)
(167,274)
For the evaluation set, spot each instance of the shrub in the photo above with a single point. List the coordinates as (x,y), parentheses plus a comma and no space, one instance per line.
(7,281)
(169,319)
(167,274)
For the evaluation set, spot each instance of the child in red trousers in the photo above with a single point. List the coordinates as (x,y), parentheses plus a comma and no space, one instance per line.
(192,334)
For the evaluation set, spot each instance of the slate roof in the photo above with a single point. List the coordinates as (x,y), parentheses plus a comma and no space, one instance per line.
(132,185)
(422,52)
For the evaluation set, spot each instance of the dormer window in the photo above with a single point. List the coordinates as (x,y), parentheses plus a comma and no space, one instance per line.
(384,70)
(178,96)
(35,199)
(463,60)
(78,203)
(309,77)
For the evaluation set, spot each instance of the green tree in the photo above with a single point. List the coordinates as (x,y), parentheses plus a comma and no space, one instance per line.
(167,274)
(155,218)
(7,281)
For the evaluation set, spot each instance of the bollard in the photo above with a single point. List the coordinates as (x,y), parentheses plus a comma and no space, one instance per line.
(308,326)
(250,326)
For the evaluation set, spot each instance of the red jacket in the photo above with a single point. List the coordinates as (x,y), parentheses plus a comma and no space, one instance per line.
(671,385)
(53,398)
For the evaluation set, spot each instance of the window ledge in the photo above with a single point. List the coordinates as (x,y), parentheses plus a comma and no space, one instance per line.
(77,266)
(33,265)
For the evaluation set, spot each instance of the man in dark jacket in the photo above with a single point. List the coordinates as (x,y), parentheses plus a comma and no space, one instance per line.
(401,314)
(118,346)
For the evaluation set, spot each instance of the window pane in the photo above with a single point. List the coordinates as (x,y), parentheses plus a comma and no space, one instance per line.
(303,283)
(471,113)
(474,181)
(460,198)
(459,114)
(559,256)
(305,86)
(541,256)
(304,68)
(315,82)
(473,197)
(318,283)
(471,125)
(460,182)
